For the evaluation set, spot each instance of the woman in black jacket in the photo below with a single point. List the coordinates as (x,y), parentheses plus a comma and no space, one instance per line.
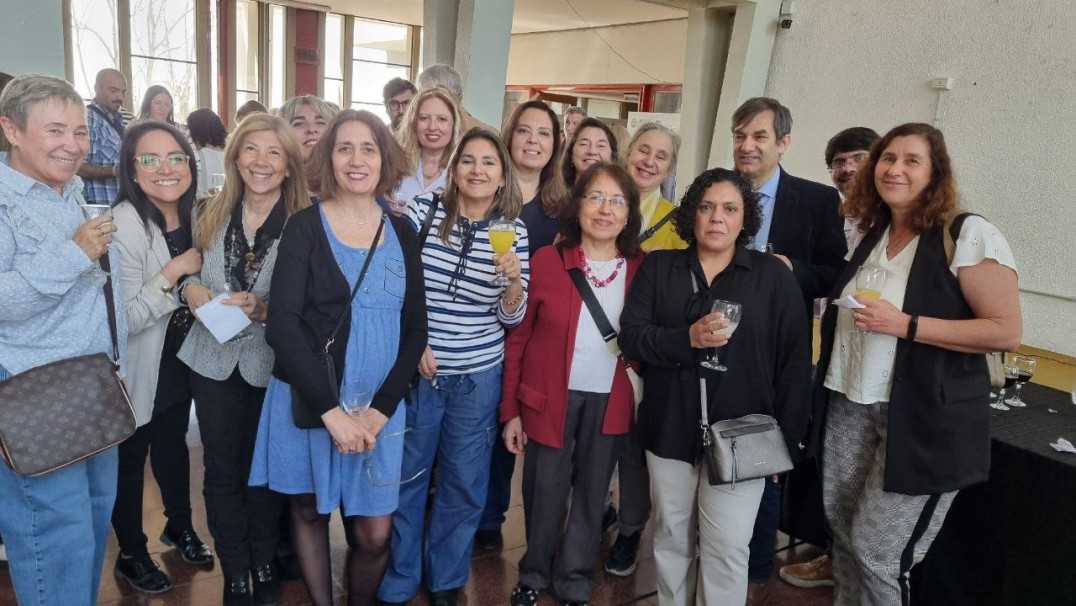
(322,253)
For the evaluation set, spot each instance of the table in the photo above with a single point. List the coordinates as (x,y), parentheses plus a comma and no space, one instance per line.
(1012,540)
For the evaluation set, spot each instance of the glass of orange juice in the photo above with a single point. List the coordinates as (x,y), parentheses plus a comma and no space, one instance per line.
(502,235)
(870,280)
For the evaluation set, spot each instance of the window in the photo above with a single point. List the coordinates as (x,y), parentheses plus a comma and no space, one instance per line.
(334,59)
(277,78)
(94,41)
(246,52)
(381,52)
(163,52)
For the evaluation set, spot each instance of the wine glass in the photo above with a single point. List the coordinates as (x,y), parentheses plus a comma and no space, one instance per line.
(502,234)
(355,400)
(235,287)
(1010,380)
(216,183)
(1025,368)
(731,312)
(870,280)
(91,212)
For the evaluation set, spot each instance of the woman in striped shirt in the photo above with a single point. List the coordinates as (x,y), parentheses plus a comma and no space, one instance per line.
(453,412)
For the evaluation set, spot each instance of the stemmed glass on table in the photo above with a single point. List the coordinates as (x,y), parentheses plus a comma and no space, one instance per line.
(502,235)
(355,400)
(1010,380)
(1025,369)
(731,312)
(91,212)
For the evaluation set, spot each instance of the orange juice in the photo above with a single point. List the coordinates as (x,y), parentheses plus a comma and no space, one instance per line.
(501,240)
(869,294)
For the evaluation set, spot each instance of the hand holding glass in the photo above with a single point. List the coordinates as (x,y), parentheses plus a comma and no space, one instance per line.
(502,235)
(91,212)
(731,312)
(355,401)
(870,281)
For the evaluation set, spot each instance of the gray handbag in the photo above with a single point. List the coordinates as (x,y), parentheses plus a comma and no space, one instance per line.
(746,448)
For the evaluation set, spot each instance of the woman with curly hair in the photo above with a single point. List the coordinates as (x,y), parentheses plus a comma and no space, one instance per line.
(668,326)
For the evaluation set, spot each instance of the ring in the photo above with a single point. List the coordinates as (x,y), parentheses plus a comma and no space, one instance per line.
(511,263)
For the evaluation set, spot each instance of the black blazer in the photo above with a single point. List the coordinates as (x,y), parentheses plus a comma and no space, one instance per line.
(308,294)
(807,227)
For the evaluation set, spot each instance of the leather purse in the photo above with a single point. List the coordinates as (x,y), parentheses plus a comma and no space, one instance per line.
(63,412)
(303,415)
(746,448)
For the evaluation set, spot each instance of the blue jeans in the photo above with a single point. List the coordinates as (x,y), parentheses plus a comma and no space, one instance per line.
(56,528)
(454,417)
(764,540)
(499,498)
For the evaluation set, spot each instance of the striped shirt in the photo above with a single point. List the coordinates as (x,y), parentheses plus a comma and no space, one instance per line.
(104,151)
(467,322)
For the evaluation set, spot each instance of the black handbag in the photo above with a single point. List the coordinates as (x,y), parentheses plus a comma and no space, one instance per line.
(303,415)
(63,412)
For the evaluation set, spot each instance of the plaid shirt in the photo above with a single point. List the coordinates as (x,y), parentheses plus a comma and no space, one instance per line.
(104,151)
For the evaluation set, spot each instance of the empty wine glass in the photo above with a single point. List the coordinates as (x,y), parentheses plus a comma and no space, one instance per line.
(1025,368)
(731,312)
(502,234)
(91,212)
(870,280)
(1010,380)
(355,400)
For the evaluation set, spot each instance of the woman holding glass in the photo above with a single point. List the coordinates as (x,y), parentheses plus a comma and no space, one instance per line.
(238,231)
(428,135)
(592,142)
(353,462)
(153,247)
(453,413)
(908,423)
(532,136)
(52,307)
(565,397)
(701,542)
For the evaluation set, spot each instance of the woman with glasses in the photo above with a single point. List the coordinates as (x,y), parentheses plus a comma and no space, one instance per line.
(703,531)
(350,462)
(154,250)
(428,134)
(453,413)
(238,231)
(565,397)
(592,142)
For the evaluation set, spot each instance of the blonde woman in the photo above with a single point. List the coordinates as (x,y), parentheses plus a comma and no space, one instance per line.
(238,231)
(428,134)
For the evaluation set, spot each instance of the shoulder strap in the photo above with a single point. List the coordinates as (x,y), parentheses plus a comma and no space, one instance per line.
(116,127)
(358,283)
(110,303)
(952,233)
(427,223)
(605,327)
(649,233)
(704,420)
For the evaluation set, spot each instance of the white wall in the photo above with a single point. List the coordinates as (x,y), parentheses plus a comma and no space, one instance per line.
(1009,120)
(580,57)
(33,40)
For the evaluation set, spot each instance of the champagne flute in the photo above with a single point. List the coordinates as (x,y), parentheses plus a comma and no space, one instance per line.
(502,235)
(870,280)
(1025,368)
(91,212)
(1010,380)
(731,312)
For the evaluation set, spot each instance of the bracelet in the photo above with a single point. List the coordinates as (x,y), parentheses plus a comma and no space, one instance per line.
(913,326)
(515,301)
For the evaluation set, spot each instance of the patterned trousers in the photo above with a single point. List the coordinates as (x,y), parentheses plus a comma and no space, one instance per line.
(871,527)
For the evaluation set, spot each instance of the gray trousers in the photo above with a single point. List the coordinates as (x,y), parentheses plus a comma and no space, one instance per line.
(871,527)
(634,479)
(588,455)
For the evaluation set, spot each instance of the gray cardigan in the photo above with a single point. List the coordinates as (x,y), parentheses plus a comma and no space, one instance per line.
(217,361)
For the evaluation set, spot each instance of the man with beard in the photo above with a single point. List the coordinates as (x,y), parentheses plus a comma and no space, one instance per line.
(397,95)
(106,125)
(844,154)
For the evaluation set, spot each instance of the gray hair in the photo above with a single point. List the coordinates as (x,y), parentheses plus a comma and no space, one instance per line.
(782,118)
(649,126)
(24,93)
(575,109)
(292,106)
(444,76)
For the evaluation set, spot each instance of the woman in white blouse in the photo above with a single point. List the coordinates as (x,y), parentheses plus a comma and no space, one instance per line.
(428,135)
(907,423)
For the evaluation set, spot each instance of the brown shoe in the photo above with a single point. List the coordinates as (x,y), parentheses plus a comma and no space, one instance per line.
(816,573)
(758,593)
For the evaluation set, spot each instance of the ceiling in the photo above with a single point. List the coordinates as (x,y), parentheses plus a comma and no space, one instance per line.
(530,15)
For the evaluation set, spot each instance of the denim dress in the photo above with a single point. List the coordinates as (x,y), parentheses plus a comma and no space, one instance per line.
(306,461)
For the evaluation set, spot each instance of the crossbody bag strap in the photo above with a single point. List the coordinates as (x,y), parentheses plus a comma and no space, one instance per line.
(704,417)
(427,223)
(649,233)
(358,283)
(116,127)
(110,303)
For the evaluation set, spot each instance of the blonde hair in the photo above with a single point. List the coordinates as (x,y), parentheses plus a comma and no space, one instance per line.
(408,138)
(215,213)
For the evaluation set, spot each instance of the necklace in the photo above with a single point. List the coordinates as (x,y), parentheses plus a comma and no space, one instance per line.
(898,245)
(250,234)
(594,279)
(340,213)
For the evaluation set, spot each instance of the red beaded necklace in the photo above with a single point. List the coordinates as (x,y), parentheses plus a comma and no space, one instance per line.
(590,274)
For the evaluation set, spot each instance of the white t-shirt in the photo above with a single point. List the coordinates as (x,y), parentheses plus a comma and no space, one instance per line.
(593,365)
(412,187)
(861,366)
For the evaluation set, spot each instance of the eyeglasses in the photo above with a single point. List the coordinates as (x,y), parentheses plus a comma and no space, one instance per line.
(152,163)
(597,198)
(396,106)
(842,163)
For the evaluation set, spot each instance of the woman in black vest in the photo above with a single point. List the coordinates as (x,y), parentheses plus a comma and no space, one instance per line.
(886,468)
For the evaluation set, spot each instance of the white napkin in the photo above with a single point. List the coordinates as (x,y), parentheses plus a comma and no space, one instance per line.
(1063,445)
(848,302)
(223,321)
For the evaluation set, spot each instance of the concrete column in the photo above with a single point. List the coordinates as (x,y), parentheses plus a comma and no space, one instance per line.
(704,69)
(33,39)
(754,28)
(483,35)
(439,19)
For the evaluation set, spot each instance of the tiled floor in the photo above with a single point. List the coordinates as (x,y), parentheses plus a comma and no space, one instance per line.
(492,574)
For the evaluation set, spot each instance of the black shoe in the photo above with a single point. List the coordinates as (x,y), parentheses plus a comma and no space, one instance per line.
(447,597)
(488,540)
(267,587)
(143,574)
(609,519)
(237,592)
(191,548)
(621,560)
(523,595)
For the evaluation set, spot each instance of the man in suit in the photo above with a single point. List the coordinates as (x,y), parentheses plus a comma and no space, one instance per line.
(802,222)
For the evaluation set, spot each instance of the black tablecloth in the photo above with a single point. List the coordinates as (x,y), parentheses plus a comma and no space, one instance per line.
(1012,540)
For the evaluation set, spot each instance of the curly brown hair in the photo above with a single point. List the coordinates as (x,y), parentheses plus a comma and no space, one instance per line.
(938,202)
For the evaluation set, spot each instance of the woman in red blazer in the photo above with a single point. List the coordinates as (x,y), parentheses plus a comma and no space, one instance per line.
(563,389)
